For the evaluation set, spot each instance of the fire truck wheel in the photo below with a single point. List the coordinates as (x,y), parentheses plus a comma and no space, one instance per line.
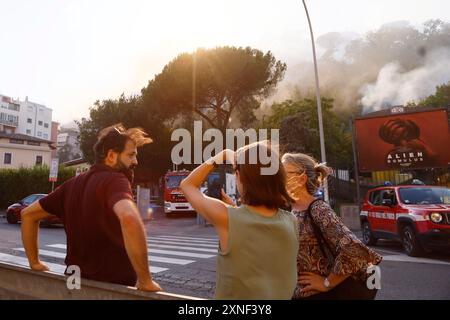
(368,238)
(410,242)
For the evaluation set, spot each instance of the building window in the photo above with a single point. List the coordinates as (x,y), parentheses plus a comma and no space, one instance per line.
(28,131)
(39,134)
(45,136)
(45,125)
(38,160)
(33,143)
(40,123)
(16,141)
(29,120)
(8,158)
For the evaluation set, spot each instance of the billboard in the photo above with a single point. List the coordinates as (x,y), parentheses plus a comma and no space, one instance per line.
(403,141)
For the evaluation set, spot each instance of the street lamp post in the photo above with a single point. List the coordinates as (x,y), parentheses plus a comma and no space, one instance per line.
(319,103)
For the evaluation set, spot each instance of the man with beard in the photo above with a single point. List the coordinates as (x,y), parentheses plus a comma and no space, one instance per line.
(105,235)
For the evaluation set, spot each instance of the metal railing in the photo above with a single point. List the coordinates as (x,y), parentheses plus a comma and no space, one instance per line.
(9,123)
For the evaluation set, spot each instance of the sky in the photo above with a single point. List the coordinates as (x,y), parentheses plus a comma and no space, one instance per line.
(68,54)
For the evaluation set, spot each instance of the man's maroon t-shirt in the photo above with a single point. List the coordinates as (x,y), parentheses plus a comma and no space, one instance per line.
(94,236)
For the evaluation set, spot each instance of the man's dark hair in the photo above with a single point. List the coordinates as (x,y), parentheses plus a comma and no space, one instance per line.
(115,138)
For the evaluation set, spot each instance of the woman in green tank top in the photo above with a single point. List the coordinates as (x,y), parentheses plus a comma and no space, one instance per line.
(257,258)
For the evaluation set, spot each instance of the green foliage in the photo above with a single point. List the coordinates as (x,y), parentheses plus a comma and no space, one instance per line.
(440,99)
(16,184)
(214,84)
(209,84)
(154,159)
(299,130)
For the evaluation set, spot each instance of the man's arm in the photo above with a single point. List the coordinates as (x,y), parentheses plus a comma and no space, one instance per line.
(31,216)
(135,243)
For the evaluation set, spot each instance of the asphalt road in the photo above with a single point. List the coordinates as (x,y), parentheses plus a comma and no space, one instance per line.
(182,259)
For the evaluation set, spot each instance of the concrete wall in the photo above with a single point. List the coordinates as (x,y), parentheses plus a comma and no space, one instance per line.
(18,282)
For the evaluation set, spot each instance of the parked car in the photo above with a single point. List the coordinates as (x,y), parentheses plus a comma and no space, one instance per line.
(416,215)
(13,214)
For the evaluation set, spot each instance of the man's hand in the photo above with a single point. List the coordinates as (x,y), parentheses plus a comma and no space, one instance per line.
(39,266)
(150,286)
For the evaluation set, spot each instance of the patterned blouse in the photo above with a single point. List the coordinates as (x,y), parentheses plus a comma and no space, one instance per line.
(352,257)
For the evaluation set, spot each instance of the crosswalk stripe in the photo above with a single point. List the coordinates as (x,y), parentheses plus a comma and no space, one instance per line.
(183,254)
(165,246)
(182,243)
(168,252)
(47,253)
(199,242)
(189,238)
(152,258)
(152,250)
(23,262)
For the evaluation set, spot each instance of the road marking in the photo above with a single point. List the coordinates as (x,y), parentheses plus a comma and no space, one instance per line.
(189,238)
(152,258)
(184,240)
(183,253)
(23,262)
(168,252)
(403,258)
(165,246)
(183,243)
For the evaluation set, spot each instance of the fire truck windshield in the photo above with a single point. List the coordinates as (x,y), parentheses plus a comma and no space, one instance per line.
(174,181)
(423,195)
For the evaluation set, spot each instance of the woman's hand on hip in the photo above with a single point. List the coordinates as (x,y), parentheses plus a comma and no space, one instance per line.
(312,282)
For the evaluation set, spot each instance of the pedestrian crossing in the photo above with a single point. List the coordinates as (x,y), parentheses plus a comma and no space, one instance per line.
(165,252)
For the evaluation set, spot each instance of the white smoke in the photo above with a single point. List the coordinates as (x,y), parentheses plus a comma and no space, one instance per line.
(396,87)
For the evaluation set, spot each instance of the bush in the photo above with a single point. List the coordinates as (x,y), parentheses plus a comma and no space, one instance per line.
(16,184)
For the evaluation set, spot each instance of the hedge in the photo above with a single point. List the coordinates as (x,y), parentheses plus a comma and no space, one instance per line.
(16,184)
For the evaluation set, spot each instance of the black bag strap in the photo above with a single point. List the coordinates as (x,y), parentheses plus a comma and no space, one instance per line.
(323,245)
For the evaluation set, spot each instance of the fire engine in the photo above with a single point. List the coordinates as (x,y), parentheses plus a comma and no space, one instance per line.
(174,199)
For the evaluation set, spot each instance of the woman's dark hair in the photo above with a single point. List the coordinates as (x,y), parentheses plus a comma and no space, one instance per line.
(267,190)
(115,138)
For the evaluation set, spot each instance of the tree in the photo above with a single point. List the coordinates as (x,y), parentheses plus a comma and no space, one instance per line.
(215,84)
(154,159)
(298,124)
(440,99)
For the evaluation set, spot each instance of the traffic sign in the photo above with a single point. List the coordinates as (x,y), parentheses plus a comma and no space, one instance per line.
(53,177)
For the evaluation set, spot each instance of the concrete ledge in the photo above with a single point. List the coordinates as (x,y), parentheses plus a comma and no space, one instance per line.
(23,283)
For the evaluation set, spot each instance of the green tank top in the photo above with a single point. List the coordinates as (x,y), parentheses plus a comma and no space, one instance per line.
(261,258)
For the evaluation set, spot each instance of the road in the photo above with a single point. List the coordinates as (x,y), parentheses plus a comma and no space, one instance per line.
(182,259)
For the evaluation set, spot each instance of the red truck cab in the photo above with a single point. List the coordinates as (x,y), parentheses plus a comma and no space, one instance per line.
(174,199)
(416,215)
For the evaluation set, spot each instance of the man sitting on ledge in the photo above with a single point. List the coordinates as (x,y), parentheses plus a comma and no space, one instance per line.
(105,235)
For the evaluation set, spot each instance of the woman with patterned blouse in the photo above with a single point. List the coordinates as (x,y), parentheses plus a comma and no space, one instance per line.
(347,262)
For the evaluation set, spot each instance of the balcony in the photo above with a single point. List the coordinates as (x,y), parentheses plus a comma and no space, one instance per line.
(9,123)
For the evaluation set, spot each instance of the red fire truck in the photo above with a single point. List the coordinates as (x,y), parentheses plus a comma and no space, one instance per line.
(174,199)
